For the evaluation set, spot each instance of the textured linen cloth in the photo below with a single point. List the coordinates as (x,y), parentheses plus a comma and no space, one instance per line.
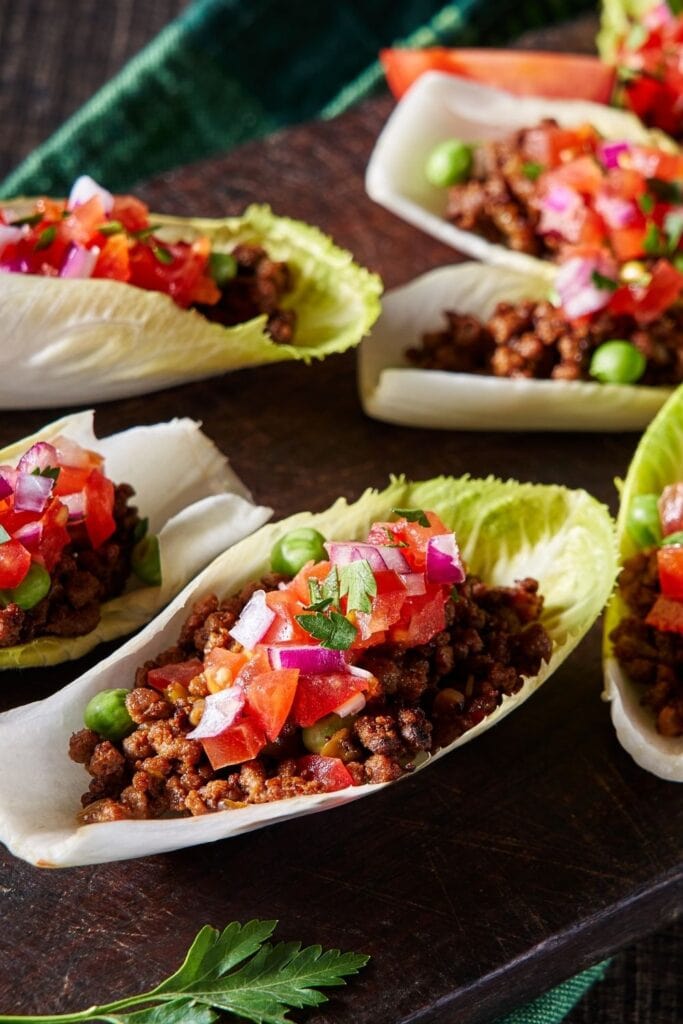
(226,71)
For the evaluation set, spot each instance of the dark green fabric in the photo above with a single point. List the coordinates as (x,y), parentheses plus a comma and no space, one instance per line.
(231,70)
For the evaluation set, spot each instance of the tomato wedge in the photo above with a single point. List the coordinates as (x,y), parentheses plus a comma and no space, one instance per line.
(525,73)
(331,772)
(270,696)
(181,672)
(15,562)
(240,742)
(670,568)
(318,695)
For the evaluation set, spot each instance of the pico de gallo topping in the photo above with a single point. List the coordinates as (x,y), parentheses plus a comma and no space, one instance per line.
(649,642)
(94,234)
(59,518)
(350,668)
(610,211)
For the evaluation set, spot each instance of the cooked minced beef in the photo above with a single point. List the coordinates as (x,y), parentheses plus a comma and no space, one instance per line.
(534,339)
(258,287)
(650,656)
(425,697)
(81,581)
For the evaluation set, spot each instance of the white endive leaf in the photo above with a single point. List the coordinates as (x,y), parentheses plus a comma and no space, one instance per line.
(393,390)
(195,503)
(506,531)
(73,341)
(658,461)
(440,106)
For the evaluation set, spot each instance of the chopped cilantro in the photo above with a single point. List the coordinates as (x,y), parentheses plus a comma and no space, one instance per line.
(50,471)
(413,515)
(646,202)
(605,284)
(46,238)
(334,631)
(162,254)
(111,227)
(532,170)
(667,191)
(31,221)
(359,584)
(652,243)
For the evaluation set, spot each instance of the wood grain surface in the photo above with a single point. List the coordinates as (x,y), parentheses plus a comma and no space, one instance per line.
(508,866)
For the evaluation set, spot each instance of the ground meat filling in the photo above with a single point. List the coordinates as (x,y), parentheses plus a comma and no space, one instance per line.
(649,656)
(425,697)
(534,340)
(258,287)
(82,580)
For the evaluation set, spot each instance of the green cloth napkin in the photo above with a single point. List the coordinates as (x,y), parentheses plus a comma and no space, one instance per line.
(227,71)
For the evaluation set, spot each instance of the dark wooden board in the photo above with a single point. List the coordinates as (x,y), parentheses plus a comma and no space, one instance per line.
(508,866)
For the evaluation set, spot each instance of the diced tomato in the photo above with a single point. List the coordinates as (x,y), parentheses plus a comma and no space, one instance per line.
(647,303)
(331,772)
(99,505)
(318,695)
(551,145)
(241,742)
(221,667)
(656,163)
(388,602)
(15,562)
(285,628)
(82,223)
(311,571)
(582,175)
(423,617)
(179,269)
(666,614)
(523,72)
(71,480)
(670,567)
(54,534)
(626,182)
(627,243)
(270,696)
(182,672)
(52,209)
(133,214)
(113,261)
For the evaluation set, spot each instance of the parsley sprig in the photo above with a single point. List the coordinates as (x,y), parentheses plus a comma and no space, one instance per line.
(235,971)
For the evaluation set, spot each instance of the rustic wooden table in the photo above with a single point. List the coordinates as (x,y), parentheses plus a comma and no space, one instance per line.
(510,865)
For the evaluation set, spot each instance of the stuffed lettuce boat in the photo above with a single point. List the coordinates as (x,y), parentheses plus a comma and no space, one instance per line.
(78,564)
(439,108)
(506,532)
(394,389)
(101,300)
(644,711)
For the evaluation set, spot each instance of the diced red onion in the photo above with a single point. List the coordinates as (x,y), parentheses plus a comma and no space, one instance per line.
(394,559)
(658,17)
(351,706)
(378,556)
(32,493)
(578,292)
(360,673)
(75,504)
(39,456)
(70,453)
(254,622)
(84,188)
(30,535)
(609,153)
(443,560)
(80,261)
(221,710)
(8,478)
(615,211)
(561,212)
(308,658)
(414,582)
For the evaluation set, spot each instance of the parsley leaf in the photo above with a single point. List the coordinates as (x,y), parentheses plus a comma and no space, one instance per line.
(358,582)
(646,202)
(50,471)
(235,971)
(606,284)
(46,238)
(162,254)
(532,170)
(413,515)
(334,631)
(652,243)
(325,593)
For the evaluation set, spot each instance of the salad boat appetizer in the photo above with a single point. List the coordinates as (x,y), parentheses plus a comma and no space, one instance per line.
(79,563)
(643,642)
(468,348)
(382,643)
(101,299)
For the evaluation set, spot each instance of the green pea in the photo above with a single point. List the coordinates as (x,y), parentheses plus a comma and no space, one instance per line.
(31,590)
(449,163)
(317,735)
(107,715)
(222,267)
(617,362)
(295,549)
(146,561)
(642,521)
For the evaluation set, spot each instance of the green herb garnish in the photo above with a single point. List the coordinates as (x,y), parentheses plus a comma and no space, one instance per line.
(667,191)
(325,593)
(413,515)
(334,631)
(235,971)
(357,581)
(606,284)
(653,242)
(31,220)
(162,254)
(646,202)
(46,237)
(50,471)
(144,233)
(532,170)
(110,227)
